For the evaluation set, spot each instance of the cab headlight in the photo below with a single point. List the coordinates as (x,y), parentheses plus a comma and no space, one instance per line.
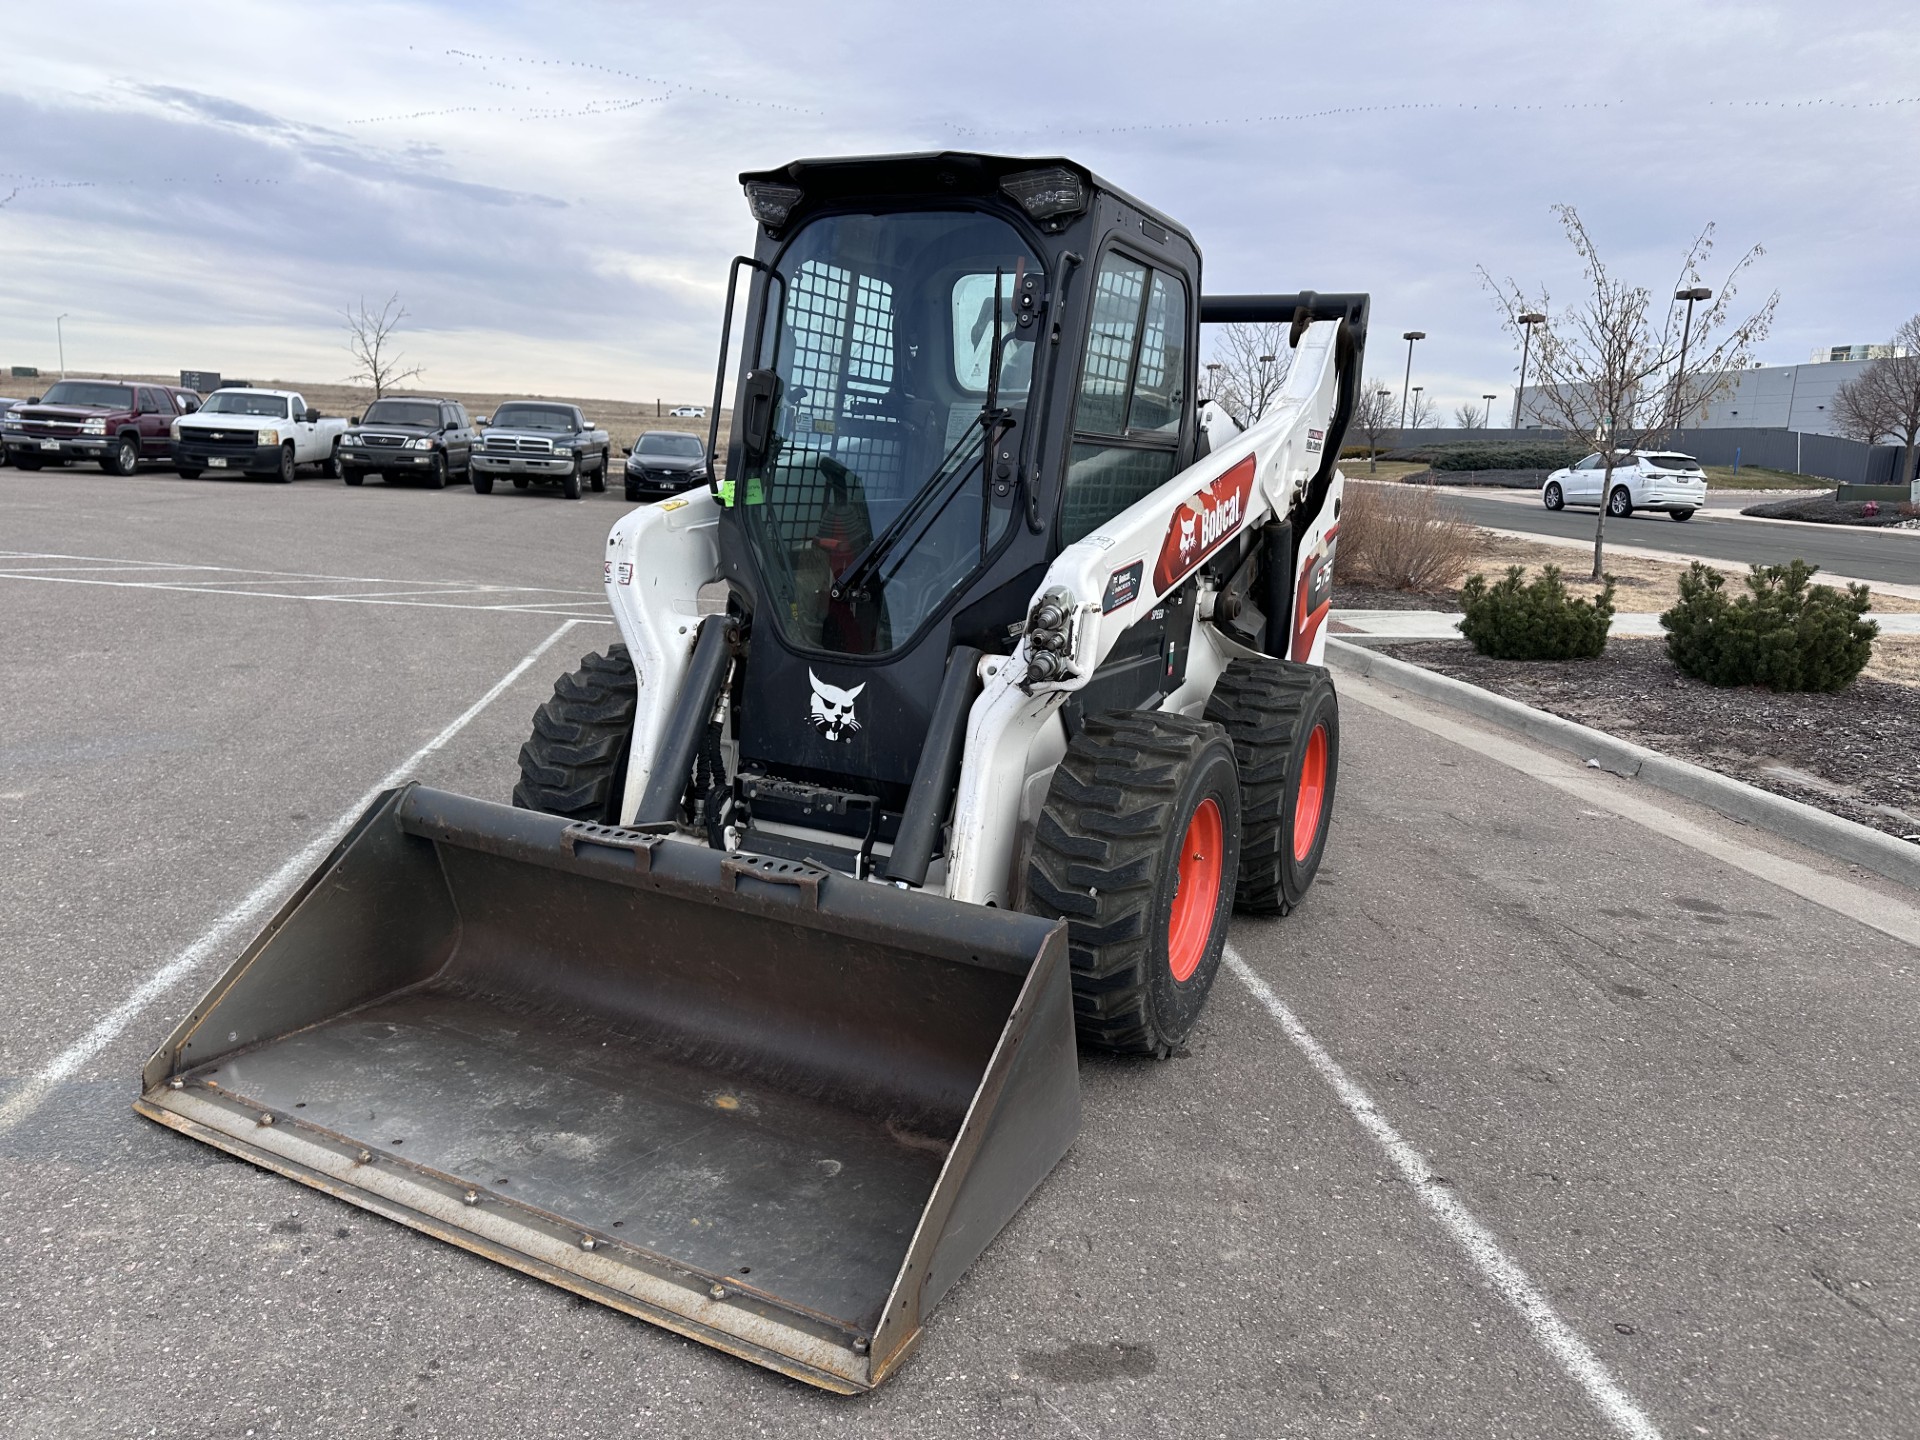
(11,422)
(425,442)
(94,427)
(173,431)
(267,437)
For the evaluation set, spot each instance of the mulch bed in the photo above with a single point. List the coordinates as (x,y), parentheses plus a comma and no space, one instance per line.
(1825,510)
(1851,753)
(1379,597)
(1494,479)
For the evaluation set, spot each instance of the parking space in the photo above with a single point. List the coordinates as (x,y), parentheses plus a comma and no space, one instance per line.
(1548,1114)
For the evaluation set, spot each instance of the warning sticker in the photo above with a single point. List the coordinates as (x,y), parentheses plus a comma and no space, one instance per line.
(626,572)
(1315,440)
(1123,587)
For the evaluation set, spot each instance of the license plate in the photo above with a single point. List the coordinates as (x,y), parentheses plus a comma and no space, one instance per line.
(49,444)
(216,464)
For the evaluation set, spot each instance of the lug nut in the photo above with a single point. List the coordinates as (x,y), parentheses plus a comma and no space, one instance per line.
(587,1242)
(266,1117)
(176,1083)
(472,1197)
(719,1292)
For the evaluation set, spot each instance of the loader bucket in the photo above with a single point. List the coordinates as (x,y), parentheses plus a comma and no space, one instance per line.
(772,1108)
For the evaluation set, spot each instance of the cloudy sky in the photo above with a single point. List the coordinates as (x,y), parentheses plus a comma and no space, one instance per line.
(551,189)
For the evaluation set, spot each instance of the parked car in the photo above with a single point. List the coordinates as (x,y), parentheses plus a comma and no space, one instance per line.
(688,412)
(665,462)
(5,406)
(1642,480)
(113,423)
(429,439)
(258,432)
(544,441)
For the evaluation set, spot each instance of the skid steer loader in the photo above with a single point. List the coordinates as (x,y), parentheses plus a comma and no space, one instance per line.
(944,735)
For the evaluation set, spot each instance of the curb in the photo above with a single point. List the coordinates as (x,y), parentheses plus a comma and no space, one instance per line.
(1844,840)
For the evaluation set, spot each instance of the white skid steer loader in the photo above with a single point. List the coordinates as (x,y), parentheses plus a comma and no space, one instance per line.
(945,733)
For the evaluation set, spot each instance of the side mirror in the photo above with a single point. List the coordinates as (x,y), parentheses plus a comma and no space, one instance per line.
(33,399)
(754,411)
(356,420)
(484,420)
(312,416)
(626,450)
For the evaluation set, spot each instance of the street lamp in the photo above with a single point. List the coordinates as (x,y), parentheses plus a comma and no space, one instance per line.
(1526,322)
(1265,362)
(1698,292)
(1416,403)
(1489,400)
(1409,337)
(61,336)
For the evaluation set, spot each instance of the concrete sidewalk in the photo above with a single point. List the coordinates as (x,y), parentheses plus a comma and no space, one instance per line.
(1365,627)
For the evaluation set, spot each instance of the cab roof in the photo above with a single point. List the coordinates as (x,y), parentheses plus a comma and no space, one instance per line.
(933,173)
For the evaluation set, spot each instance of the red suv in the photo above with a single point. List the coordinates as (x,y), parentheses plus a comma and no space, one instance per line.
(115,424)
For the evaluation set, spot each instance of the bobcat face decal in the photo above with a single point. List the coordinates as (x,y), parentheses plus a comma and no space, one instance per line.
(832,712)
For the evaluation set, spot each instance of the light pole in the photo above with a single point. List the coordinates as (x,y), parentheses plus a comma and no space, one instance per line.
(1266,362)
(1409,337)
(1489,400)
(1698,292)
(1213,381)
(1416,402)
(1526,322)
(61,336)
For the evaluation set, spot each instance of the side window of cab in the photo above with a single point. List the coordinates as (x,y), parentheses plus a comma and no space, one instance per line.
(1130,402)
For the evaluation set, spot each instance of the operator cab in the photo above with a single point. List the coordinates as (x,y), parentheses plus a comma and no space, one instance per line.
(954,366)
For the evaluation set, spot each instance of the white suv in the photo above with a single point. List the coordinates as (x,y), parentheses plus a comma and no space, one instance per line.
(1642,480)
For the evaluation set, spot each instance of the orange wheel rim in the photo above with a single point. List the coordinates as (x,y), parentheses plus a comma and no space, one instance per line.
(1198,894)
(1312,796)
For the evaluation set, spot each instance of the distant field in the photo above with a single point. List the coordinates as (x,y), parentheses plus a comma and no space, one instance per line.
(622,419)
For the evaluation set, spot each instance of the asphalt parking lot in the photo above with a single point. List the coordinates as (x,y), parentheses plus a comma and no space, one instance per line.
(1556,1111)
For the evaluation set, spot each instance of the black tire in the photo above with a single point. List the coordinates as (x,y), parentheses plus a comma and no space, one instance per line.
(125,459)
(288,468)
(1553,497)
(1106,858)
(1679,514)
(26,462)
(1271,710)
(575,762)
(482,481)
(331,469)
(187,472)
(1620,502)
(521,482)
(570,482)
(353,476)
(600,476)
(437,473)
(633,493)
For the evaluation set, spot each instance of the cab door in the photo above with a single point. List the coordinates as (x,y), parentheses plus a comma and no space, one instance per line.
(155,421)
(305,432)
(1583,482)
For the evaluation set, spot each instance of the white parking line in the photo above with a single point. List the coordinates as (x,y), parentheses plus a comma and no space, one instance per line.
(1508,1280)
(28,1098)
(123,562)
(545,607)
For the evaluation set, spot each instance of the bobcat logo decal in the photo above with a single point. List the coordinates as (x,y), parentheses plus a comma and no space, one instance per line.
(1187,540)
(832,713)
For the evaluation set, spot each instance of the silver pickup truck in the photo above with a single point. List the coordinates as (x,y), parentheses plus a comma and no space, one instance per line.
(540,442)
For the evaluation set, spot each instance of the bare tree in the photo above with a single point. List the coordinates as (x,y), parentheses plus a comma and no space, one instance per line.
(1421,411)
(1252,363)
(1468,416)
(1621,367)
(1884,399)
(1373,417)
(377,363)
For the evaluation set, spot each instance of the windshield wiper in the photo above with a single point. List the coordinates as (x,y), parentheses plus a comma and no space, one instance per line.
(993,421)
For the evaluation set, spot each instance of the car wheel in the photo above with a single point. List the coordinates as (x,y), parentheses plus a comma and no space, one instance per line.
(600,476)
(125,458)
(437,476)
(482,482)
(520,482)
(570,482)
(1679,514)
(187,472)
(633,493)
(352,476)
(288,466)
(1553,497)
(26,462)
(1620,503)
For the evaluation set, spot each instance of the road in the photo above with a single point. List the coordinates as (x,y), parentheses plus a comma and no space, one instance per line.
(1555,1111)
(1856,553)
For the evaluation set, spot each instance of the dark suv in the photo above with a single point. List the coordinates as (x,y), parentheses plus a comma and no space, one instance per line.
(429,439)
(114,424)
(665,462)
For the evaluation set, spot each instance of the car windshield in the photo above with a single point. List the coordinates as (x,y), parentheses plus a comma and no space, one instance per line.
(242,402)
(880,330)
(1686,464)
(657,442)
(83,392)
(402,412)
(532,417)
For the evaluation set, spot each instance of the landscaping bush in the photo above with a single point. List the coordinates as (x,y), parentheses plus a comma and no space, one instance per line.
(1783,633)
(1401,537)
(1521,455)
(1511,620)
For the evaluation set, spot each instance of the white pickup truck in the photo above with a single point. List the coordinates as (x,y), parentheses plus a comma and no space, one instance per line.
(258,432)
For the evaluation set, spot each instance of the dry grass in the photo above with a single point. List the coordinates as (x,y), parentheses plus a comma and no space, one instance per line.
(1384,469)
(1404,538)
(1896,658)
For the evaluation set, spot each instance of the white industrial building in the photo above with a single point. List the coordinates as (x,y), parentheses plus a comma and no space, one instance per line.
(1783,397)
